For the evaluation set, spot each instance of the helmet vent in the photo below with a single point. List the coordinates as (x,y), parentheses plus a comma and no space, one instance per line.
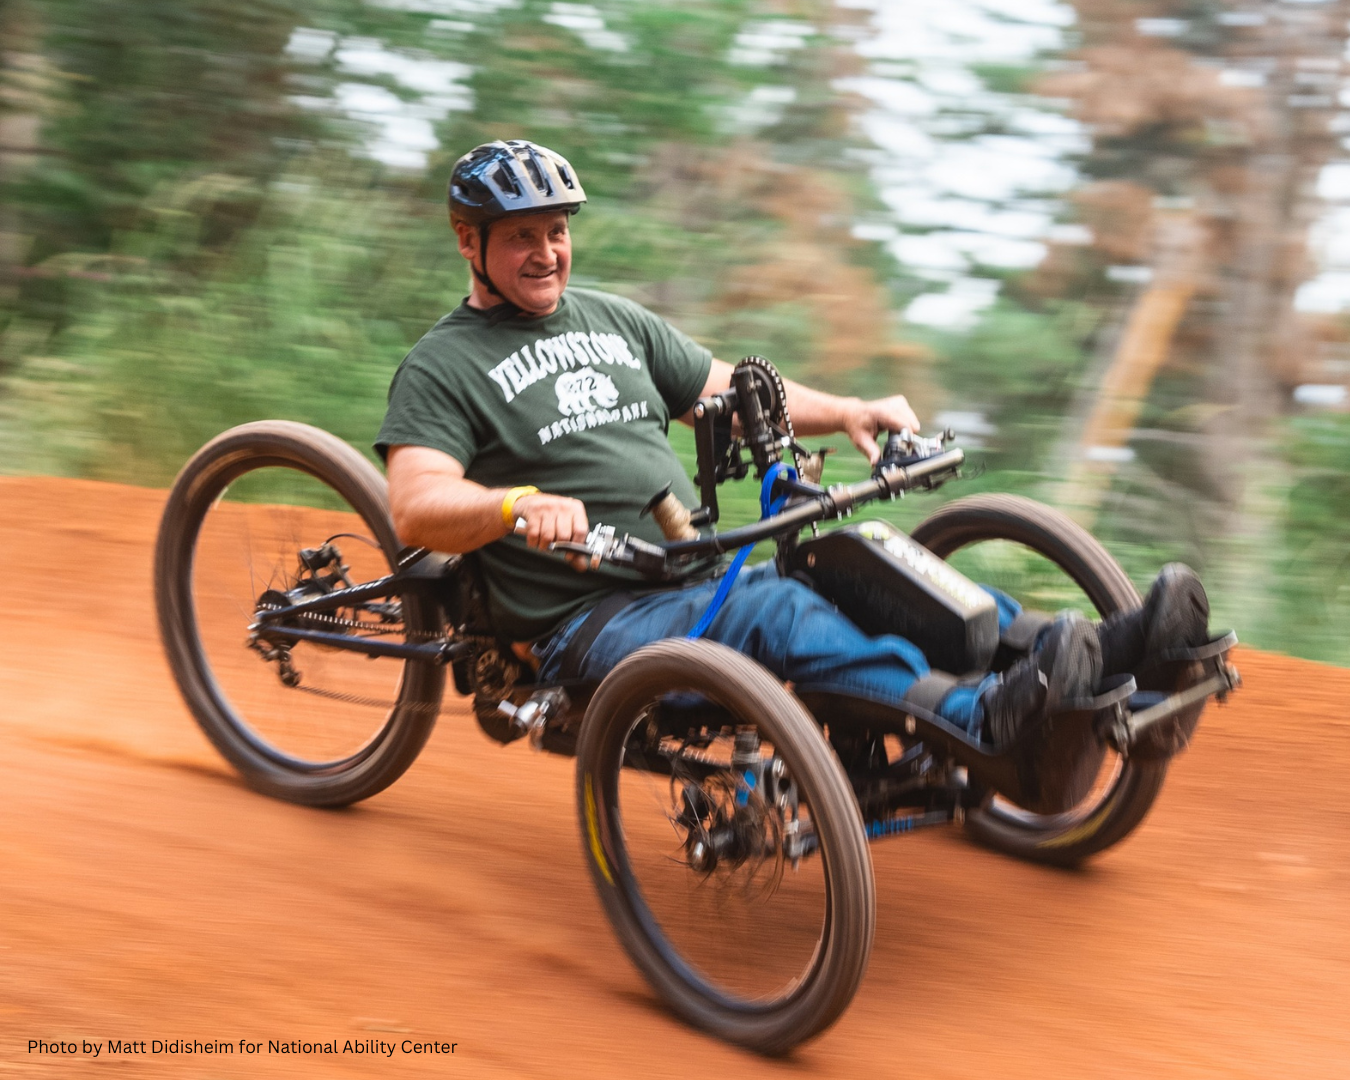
(502,175)
(537,176)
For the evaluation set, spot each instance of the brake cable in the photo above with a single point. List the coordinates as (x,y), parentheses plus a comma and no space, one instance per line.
(767,509)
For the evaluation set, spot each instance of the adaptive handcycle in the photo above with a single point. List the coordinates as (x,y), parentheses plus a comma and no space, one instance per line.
(726,818)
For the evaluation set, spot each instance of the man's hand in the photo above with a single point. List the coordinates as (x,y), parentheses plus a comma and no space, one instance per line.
(863,424)
(553,517)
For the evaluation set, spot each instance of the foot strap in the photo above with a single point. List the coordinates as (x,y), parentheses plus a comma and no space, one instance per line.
(927,693)
(1024,629)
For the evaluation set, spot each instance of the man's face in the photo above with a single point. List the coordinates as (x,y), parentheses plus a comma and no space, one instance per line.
(528,258)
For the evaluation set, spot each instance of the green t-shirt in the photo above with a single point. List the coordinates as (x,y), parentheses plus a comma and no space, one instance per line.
(577,403)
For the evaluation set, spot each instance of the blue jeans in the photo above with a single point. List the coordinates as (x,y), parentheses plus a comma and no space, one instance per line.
(794,632)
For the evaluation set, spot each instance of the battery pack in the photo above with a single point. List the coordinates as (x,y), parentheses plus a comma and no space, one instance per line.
(888,584)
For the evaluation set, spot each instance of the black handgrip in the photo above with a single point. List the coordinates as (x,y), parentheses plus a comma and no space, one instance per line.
(894,448)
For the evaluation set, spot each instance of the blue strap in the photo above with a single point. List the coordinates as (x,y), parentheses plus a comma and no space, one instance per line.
(766,509)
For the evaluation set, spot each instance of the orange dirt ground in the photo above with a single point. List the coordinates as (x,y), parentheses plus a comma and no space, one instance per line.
(145,893)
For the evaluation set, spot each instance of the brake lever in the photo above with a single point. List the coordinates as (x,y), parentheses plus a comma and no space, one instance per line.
(570,547)
(598,546)
(601,545)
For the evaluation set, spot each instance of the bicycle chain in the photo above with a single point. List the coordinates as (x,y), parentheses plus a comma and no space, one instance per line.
(373,629)
(369,702)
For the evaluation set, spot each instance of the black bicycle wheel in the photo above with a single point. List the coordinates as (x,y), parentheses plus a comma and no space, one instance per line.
(1047,562)
(309,723)
(725,843)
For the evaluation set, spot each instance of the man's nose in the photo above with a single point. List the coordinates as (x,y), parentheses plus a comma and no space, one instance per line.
(542,251)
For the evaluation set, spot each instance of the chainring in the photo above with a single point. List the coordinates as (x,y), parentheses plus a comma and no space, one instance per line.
(773,400)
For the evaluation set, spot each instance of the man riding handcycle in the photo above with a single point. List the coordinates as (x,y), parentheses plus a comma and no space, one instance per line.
(564,566)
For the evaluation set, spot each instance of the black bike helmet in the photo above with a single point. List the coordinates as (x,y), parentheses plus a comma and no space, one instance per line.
(501,179)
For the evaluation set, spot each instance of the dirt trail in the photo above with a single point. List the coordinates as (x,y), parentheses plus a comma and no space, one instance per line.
(146,894)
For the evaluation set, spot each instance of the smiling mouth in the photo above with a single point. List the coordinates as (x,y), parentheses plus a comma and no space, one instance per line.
(540,277)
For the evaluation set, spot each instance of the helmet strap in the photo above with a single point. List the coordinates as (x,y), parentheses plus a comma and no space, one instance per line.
(482,274)
(506,309)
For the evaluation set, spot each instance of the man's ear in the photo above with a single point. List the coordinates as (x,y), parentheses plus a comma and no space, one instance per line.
(467,236)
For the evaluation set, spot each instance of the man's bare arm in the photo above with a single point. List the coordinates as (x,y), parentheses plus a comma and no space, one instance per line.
(816,413)
(434,506)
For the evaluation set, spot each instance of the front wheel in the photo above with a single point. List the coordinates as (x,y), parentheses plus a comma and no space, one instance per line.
(265,516)
(725,843)
(1047,561)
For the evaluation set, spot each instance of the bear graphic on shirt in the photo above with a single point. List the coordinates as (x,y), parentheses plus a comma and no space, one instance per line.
(583,390)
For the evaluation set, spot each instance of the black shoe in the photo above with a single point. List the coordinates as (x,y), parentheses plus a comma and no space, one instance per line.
(1067,665)
(1175,615)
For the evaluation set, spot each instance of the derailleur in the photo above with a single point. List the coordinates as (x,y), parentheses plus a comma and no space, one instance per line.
(278,652)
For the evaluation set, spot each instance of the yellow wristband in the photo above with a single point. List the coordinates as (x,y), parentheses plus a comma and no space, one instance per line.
(509,504)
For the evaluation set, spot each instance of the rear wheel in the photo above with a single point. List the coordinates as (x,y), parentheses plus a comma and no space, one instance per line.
(1046,561)
(265,516)
(725,843)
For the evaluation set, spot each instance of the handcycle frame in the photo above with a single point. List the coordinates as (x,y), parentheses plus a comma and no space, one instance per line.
(1120,716)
